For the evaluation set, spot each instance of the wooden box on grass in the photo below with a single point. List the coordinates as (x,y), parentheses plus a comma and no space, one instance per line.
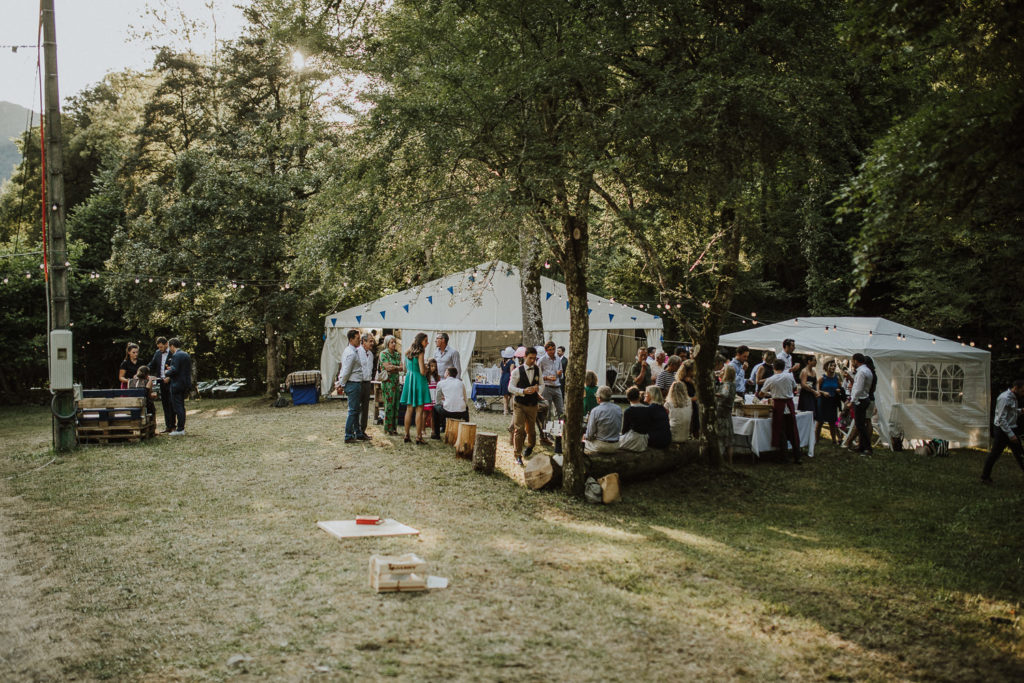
(113,419)
(393,574)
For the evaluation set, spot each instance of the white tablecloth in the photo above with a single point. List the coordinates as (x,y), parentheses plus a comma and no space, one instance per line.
(759,430)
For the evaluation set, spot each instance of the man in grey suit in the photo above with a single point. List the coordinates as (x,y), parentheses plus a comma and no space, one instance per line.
(178,378)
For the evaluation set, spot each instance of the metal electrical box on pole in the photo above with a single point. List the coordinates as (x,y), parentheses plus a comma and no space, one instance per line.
(63,404)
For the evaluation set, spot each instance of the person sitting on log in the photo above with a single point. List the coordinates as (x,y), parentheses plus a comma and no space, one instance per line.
(660,435)
(636,423)
(680,410)
(603,425)
(450,402)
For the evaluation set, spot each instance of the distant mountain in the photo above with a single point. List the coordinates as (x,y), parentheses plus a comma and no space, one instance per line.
(13,119)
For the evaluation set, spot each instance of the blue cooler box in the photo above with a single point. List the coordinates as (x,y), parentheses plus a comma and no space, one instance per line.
(305,395)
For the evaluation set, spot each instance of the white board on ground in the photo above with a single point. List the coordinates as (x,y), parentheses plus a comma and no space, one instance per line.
(347,528)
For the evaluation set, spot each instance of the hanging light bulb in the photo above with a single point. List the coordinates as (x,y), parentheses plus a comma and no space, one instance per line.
(136,280)
(182,283)
(972,344)
(547,264)
(933,341)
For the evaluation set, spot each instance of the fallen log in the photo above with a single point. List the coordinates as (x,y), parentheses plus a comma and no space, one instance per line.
(633,465)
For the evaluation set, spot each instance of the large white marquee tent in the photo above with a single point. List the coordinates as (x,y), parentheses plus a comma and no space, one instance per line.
(486,298)
(928,387)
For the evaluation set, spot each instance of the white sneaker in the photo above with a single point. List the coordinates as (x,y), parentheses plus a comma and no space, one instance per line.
(180,432)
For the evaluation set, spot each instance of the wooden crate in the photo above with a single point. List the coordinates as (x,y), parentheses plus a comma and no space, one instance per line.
(395,574)
(113,419)
(755,410)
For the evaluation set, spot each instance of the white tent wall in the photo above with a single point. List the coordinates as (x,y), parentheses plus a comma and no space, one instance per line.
(597,353)
(928,387)
(654,337)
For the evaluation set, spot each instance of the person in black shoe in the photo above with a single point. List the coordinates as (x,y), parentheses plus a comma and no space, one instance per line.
(158,368)
(1005,433)
(524,385)
(860,397)
(178,377)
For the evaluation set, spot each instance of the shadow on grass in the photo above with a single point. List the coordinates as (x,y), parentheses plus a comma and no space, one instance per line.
(905,556)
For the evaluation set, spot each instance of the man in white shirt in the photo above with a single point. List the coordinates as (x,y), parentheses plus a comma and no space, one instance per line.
(446,356)
(781,387)
(860,397)
(551,374)
(366,358)
(1005,434)
(524,385)
(450,402)
(350,379)
(786,355)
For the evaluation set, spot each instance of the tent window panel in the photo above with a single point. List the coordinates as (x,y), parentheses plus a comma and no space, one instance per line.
(926,384)
(952,384)
(905,375)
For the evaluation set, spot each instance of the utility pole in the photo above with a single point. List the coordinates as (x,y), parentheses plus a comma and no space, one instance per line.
(63,404)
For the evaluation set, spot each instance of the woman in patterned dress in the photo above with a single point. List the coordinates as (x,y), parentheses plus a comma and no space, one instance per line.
(415,393)
(391,361)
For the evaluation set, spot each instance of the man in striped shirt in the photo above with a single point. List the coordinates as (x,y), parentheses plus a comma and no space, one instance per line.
(668,375)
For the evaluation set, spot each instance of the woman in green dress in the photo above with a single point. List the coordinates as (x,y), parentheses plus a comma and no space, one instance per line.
(589,392)
(390,360)
(415,393)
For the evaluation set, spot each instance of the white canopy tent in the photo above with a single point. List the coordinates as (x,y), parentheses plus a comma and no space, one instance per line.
(487,298)
(928,387)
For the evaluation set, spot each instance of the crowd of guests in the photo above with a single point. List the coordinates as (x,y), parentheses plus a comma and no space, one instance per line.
(361,365)
(792,387)
(167,377)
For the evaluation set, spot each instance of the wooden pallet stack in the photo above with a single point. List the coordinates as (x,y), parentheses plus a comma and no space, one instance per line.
(114,416)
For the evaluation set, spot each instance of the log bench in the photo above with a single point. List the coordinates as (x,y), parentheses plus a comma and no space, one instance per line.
(633,465)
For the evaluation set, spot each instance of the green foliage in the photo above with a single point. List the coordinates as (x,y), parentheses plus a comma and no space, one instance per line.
(937,201)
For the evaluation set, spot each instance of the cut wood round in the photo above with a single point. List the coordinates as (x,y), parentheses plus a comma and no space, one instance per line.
(538,471)
(451,430)
(484,450)
(464,441)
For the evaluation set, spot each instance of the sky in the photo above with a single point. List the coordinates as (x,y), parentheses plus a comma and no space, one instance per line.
(95,37)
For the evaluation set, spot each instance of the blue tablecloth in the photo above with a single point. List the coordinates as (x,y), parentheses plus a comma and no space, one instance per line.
(485,390)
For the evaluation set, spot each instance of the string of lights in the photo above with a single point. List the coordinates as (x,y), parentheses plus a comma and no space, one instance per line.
(185,281)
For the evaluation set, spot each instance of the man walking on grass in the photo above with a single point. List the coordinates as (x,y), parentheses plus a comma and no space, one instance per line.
(178,379)
(524,385)
(1005,421)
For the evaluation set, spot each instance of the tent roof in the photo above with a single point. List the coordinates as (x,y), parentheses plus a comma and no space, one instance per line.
(484,298)
(875,337)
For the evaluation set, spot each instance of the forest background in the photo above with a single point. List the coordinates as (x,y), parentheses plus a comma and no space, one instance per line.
(706,159)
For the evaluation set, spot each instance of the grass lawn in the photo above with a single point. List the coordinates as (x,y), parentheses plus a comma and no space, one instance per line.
(198,558)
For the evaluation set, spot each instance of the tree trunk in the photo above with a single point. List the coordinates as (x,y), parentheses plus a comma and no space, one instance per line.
(576,371)
(529,274)
(709,333)
(273,360)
